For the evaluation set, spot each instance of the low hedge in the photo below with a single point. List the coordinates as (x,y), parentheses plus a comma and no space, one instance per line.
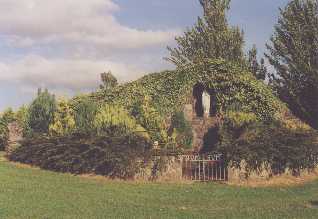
(111,156)
(271,145)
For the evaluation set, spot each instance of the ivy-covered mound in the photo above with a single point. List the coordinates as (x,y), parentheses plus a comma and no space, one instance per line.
(270,137)
(170,90)
(111,132)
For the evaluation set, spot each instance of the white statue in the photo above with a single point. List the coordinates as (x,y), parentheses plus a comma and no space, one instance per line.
(206,103)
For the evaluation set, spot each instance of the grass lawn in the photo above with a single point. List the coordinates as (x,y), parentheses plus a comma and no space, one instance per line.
(31,193)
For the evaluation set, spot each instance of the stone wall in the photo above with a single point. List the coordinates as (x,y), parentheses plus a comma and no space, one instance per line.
(171,170)
(15,135)
(200,125)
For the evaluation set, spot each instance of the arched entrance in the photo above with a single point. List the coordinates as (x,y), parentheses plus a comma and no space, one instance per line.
(204,101)
(198,103)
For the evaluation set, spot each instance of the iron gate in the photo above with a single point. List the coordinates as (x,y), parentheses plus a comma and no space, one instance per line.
(204,170)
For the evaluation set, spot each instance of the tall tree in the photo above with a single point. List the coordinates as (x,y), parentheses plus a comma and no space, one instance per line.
(109,81)
(41,112)
(258,69)
(211,37)
(294,54)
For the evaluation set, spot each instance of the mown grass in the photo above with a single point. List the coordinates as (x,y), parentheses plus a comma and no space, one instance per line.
(32,193)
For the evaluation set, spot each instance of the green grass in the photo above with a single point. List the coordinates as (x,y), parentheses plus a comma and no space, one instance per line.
(31,193)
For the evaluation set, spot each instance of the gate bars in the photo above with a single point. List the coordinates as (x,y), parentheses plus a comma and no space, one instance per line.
(204,170)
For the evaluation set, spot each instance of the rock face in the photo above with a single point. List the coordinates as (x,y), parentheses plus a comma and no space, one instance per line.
(200,125)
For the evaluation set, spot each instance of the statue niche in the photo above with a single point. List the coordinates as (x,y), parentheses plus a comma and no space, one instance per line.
(204,101)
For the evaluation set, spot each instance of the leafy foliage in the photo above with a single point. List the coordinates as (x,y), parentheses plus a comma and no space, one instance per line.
(210,38)
(170,90)
(41,112)
(4,134)
(116,120)
(8,116)
(266,145)
(85,111)
(150,119)
(109,81)
(181,130)
(113,156)
(259,70)
(294,54)
(63,123)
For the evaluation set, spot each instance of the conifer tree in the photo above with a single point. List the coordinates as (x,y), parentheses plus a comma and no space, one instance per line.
(41,112)
(109,81)
(258,69)
(293,52)
(211,37)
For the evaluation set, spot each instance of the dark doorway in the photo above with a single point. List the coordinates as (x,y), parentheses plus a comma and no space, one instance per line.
(213,107)
(210,140)
(197,94)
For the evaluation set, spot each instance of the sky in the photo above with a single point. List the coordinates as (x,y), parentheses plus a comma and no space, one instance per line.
(64,45)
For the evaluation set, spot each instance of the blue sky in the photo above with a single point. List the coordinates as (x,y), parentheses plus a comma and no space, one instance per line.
(65,44)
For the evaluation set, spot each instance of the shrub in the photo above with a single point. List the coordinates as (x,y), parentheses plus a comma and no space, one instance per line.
(85,111)
(113,156)
(4,134)
(109,81)
(116,120)
(271,145)
(182,130)
(41,112)
(148,117)
(22,116)
(8,116)
(63,122)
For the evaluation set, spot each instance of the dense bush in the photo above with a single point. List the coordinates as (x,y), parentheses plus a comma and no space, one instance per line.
(116,120)
(4,134)
(149,118)
(8,116)
(270,145)
(22,116)
(85,111)
(41,112)
(112,156)
(181,130)
(63,123)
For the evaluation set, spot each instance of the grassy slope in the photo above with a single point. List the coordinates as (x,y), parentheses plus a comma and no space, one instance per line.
(32,193)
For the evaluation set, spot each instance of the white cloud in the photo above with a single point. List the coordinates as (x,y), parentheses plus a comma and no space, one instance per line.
(66,44)
(32,22)
(70,74)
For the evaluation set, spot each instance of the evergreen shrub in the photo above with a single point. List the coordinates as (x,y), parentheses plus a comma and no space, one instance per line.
(41,113)
(112,155)
(269,145)
(4,134)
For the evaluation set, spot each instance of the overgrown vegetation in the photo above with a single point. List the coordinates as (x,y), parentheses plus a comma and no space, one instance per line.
(181,131)
(41,112)
(113,156)
(110,132)
(211,38)
(293,52)
(4,134)
(267,146)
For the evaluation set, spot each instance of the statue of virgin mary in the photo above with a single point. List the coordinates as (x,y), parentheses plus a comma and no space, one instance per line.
(206,103)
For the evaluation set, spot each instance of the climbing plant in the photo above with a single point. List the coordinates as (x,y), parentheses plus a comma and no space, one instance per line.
(170,90)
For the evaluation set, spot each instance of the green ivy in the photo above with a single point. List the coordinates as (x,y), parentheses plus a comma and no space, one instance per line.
(170,90)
